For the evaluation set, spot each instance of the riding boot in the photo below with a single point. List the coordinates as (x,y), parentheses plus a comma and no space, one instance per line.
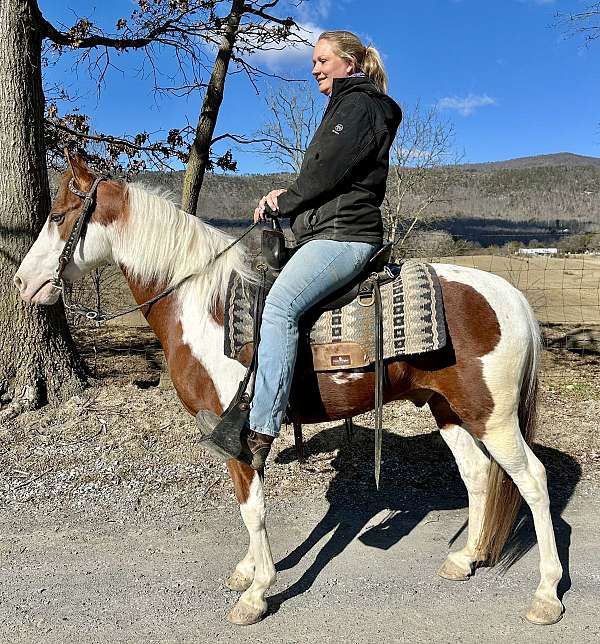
(230,437)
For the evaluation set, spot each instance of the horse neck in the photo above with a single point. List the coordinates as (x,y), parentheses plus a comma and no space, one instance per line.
(188,322)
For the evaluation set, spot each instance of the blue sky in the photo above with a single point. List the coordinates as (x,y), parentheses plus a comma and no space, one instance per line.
(506,76)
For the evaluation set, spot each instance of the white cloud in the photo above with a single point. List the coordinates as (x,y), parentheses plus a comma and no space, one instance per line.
(315,9)
(467,105)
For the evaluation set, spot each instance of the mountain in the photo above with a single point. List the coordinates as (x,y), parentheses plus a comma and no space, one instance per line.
(565,159)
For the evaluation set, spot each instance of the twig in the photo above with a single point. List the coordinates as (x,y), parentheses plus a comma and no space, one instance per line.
(35,478)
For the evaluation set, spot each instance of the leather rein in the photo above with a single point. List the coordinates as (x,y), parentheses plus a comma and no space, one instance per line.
(78,234)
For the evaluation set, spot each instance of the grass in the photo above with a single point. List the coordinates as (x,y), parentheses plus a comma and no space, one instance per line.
(560,289)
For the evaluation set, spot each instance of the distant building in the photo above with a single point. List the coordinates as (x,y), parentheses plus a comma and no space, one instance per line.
(537,251)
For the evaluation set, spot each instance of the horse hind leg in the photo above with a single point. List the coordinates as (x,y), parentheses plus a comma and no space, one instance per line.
(473,465)
(508,448)
(257,567)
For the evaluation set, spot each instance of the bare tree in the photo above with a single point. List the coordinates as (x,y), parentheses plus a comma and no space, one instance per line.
(424,144)
(294,115)
(248,27)
(585,22)
(205,37)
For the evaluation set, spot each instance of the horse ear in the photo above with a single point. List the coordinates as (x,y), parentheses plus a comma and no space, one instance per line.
(82,175)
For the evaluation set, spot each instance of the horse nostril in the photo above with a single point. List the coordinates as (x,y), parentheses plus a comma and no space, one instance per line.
(18,282)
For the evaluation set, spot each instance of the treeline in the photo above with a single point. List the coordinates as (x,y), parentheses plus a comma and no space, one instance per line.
(539,194)
(489,205)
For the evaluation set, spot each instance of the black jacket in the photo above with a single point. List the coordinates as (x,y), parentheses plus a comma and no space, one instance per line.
(341,183)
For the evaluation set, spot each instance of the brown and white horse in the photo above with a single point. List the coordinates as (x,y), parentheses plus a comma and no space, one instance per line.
(481,389)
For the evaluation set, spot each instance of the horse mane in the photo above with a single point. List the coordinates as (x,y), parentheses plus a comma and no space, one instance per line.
(159,243)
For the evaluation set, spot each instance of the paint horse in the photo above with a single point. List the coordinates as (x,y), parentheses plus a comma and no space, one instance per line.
(481,390)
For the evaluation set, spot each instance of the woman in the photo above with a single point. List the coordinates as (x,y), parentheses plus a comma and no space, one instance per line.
(334,213)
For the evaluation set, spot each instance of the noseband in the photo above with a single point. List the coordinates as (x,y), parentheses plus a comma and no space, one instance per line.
(89,201)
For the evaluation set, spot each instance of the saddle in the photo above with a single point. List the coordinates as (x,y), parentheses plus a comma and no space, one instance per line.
(345,330)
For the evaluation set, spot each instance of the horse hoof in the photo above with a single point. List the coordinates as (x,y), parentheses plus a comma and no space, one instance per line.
(243,614)
(449,570)
(544,612)
(238,582)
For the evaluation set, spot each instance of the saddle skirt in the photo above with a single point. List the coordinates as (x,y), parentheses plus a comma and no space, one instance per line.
(344,338)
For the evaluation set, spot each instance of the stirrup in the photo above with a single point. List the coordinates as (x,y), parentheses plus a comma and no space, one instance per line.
(225,437)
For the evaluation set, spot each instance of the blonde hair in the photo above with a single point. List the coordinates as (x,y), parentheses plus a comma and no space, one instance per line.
(364,59)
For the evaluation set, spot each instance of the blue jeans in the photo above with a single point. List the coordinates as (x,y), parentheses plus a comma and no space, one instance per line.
(317,269)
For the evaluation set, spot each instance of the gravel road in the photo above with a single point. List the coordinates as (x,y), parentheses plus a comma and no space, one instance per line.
(353,571)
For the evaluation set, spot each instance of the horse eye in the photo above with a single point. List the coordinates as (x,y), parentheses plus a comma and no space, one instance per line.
(57,217)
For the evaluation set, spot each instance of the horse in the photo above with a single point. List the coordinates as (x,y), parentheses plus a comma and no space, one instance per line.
(481,389)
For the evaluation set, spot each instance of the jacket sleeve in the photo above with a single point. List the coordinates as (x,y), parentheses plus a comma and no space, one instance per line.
(348,138)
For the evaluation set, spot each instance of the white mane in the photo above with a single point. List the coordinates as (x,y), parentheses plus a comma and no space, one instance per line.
(161,243)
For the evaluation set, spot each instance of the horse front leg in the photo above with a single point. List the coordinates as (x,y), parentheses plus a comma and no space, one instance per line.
(255,573)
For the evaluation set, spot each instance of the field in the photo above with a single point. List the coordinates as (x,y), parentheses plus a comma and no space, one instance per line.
(562,290)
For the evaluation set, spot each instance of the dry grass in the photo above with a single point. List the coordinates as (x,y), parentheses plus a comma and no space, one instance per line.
(128,438)
(563,290)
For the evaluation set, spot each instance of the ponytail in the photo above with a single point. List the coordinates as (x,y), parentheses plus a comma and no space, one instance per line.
(373,68)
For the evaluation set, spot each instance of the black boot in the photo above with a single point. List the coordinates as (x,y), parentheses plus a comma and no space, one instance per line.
(229,437)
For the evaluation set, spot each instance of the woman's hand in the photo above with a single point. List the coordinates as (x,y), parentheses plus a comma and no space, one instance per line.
(271,201)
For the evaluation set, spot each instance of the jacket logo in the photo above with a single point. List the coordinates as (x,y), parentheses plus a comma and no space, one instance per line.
(338,128)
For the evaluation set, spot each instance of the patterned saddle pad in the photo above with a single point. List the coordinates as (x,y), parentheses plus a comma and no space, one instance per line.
(413,322)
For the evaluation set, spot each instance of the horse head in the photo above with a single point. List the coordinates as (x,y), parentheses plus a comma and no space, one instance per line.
(36,276)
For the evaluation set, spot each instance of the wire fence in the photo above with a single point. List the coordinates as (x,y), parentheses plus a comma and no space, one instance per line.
(563,288)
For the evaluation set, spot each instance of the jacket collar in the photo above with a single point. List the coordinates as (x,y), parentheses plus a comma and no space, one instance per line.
(341,86)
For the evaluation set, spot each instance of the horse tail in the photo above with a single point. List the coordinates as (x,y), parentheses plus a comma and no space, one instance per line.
(503,498)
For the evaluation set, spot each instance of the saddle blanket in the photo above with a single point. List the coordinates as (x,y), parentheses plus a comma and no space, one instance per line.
(413,322)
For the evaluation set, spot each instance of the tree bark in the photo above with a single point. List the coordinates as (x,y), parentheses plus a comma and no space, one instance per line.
(200,149)
(38,359)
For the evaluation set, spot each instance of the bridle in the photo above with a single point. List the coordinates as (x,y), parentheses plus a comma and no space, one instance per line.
(77,234)
(89,201)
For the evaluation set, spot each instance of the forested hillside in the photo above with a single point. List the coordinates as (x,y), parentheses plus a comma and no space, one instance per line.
(494,202)
(542,193)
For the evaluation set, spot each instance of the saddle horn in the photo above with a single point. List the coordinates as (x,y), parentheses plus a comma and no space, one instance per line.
(273,242)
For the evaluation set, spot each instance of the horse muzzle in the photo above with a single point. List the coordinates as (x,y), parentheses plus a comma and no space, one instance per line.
(43,293)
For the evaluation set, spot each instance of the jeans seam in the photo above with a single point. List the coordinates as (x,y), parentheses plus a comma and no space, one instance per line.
(289,321)
(286,367)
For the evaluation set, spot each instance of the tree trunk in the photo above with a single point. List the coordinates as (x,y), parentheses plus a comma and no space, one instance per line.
(38,359)
(200,149)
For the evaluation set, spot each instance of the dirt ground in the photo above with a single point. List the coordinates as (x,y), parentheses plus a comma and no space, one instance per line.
(117,527)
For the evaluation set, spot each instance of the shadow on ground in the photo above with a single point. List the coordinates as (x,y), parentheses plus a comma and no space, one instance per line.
(419,476)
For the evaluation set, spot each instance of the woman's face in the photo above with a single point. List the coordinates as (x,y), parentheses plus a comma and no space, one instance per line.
(327,65)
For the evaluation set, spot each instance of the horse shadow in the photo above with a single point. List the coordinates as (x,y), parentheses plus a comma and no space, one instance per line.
(419,475)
